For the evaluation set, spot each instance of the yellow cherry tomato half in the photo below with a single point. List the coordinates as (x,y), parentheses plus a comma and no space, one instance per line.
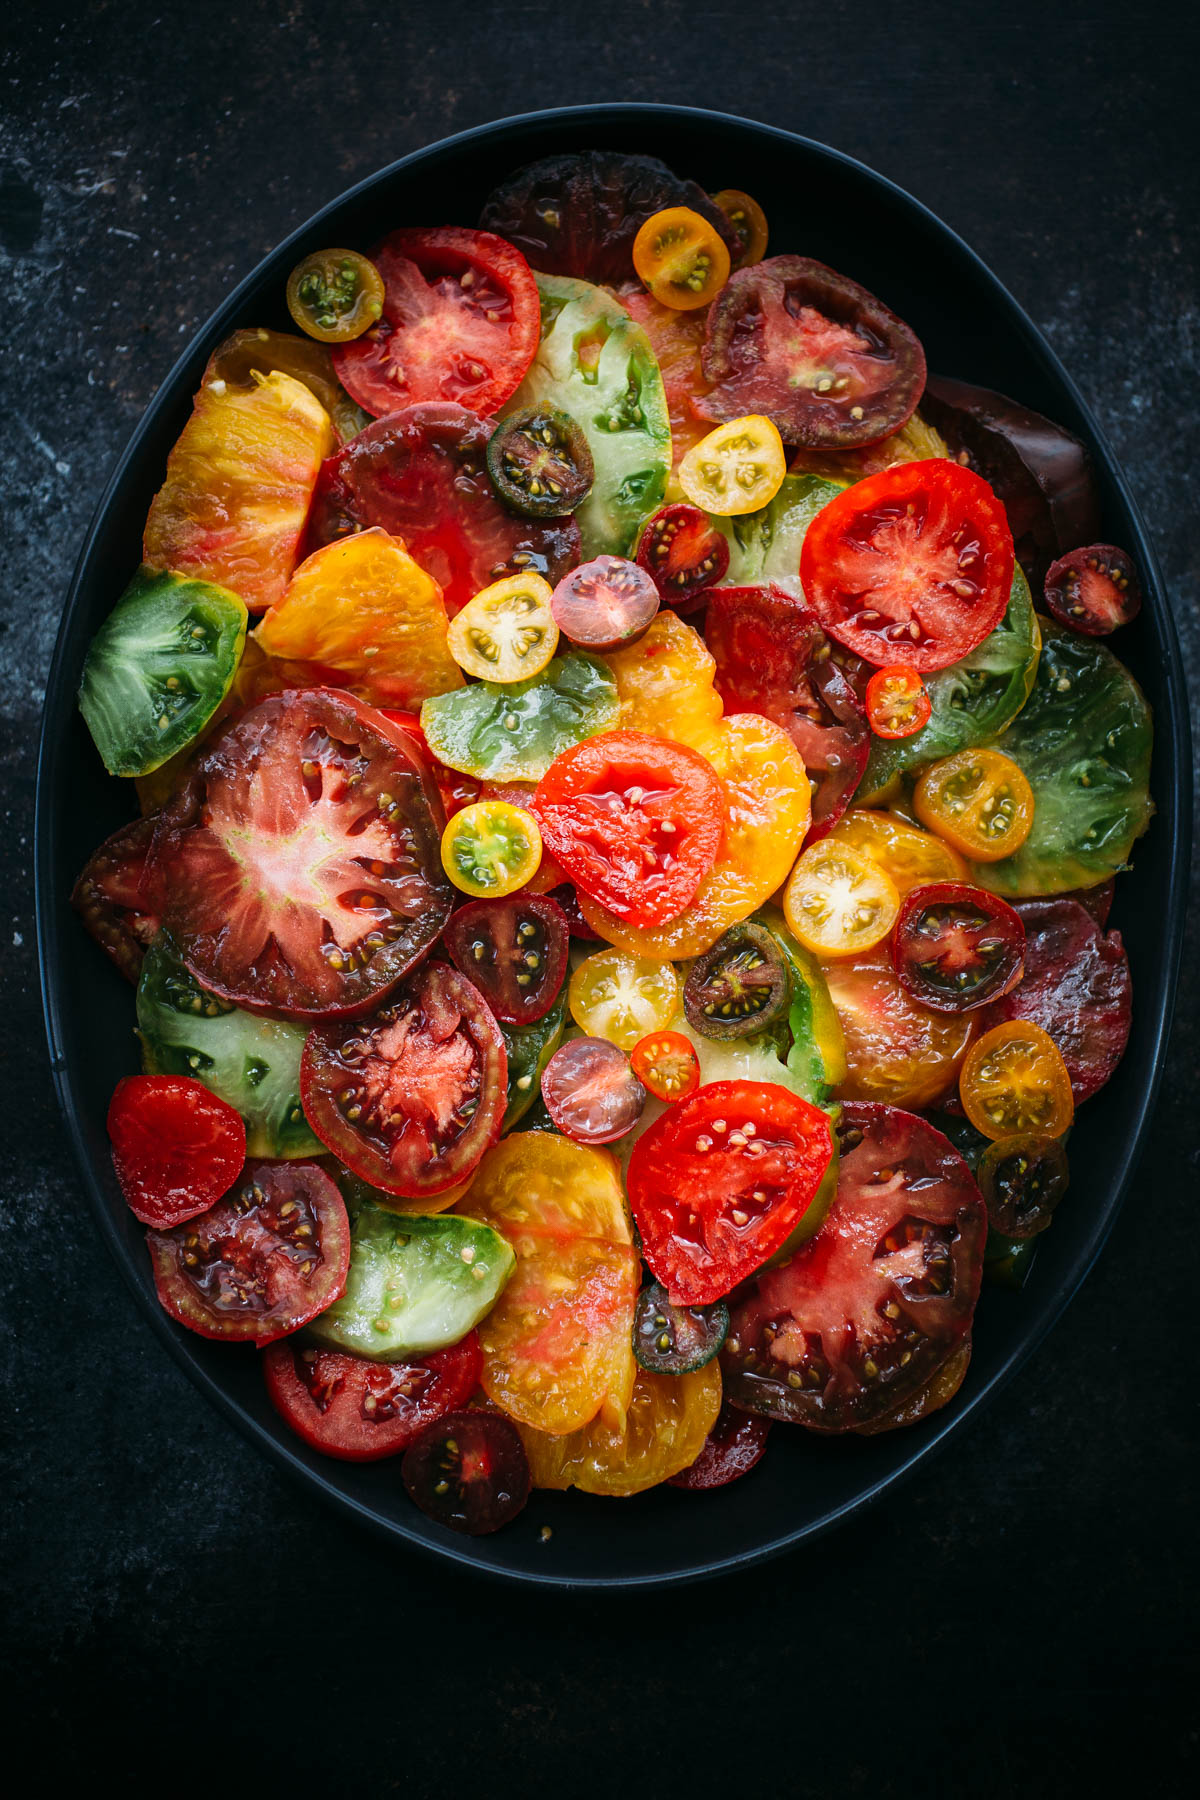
(749,221)
(621,997)
(838,902)
(491,849)
(507,632)
(681,258)
(911,857)
(979,801)
(735,469)
(335,295)
(1014,1079)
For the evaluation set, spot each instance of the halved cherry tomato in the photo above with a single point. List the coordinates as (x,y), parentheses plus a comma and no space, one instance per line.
(359,1411)
(915,563)
(896,1050)
(460,322)
(113,897)
(665,684)
(666,1065)
(591,1093)
(490,849)
(979,801)
(468,1471)
(1093,590)
(334,295)
(604,602)
(176,1146)
(1013,1080)
(267,1258)
(635,822)
(411,1097)
(540,463)
(719,1183)
(911,857)
(735,469)
(680,258)
(620,997)
(749,222)
(957,947)
(1023,1178)
(898,702)
(514,950)
(665,1429)
(507,632)
(741,986)
(683,553)
(675,1340)
(838,901)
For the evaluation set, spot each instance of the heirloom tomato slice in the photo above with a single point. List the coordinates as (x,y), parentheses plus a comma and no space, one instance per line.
(735,1445)
(721,1181)
(410,1098)
(665,684)
(241,361)
(675,1340)
(898,704)
(113,897)
(749,222)
(938,1391)
(299,861)
(914,564)
(896,1050)
(636,822)
(239,482)
(558,1344)
(604,602)
(909,856)
(491,849)
(1022,1179)
(514,950)
(176,1147)
(1093,590)
(665,1429)
(539,462)
(460,323)
(738,468)
(511,732)
(666,1065)
(421,474)
(507,632)
(359,1411)
(370,617)
(869,1310)
(468,1471)
(677,340)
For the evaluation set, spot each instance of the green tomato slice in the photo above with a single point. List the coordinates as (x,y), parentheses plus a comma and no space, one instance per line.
(765,546)
(416,1283)
(530,1048)
(252,1062)
(513,731)
(1083,740)
(595,364)
(159,667)
(971,702)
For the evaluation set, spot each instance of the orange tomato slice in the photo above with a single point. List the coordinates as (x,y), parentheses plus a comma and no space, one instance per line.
(896,1051)
(979,801)
(1014,1079)
(681,258)
(665,684)
(663,1432)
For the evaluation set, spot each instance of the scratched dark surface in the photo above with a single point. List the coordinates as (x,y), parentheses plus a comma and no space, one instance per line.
(1020,1618)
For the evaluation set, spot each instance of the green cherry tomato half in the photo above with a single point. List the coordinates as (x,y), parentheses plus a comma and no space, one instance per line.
(540,463)
(674,1340)
(491,848)
(335,295)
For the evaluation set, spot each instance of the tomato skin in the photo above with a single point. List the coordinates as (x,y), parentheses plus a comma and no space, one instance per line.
(360,1411)
(176,1147)
(735,1445)
(955,947)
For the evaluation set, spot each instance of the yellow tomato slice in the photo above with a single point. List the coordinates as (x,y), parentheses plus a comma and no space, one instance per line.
(896,1051)
(558,1344)
(838,902)
(910,856)
(681,258)
(665,684)
(490,849)
(507,632)
(620,997)
(668,1420)
(737,468)
(979,801)
(1014,1079)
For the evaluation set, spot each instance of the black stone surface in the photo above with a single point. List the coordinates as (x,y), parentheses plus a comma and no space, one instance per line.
(1020,1619)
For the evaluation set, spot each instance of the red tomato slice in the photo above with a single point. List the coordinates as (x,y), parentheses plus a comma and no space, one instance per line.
(411,1097)
(461,320)
(360,1411)
(260,1263)
(422,475)
(112,897)
(720,1182)
(300,860)
(176,1147)
(911,565)
(636,822)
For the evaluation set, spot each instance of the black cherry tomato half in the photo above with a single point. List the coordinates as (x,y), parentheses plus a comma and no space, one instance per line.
(591,1092)
(898,703)
(468,1471)
(955,947)
(733,1447)
(666,1065)
(515,952)
(683,553)
(112,897)
(749,223)
(1093,590)
(674,1340)
(742,985)
(335,295)
(604,602)
(1022,1179)
(540,463)
(176,1147)
(359,1411)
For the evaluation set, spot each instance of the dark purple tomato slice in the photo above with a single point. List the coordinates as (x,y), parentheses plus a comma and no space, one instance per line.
(359,1411)
(468,1471)
(868,1310)
(514,951)
(773,658)
(684,554)
(1022,1179)
(412,1097)
(421,474)
(1093,590)
(955,947)
(937,1392)
(604,602)
(1097,901)
(578,214)
(267,1258)
(591,1092)
(733,1447)
(1039,471)
(113,898)
(1076,986)
(813,351)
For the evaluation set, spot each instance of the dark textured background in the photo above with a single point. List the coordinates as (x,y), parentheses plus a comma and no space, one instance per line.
(1021,1616)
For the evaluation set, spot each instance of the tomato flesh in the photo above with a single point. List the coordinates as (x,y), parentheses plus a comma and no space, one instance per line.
(515,952)
(113,897)
(468,1471)
(591,1093)
(360,1411)
(1094,590)
(603,602)
(735,1445)
(176,1146)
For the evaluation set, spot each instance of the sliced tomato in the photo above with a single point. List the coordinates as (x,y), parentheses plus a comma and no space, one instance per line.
(591,1092)
(684,555)
(1014,1080)
(735,1445)
(666,1064)
(1093,590)
(677,339)
(411,1097)
(773,657)
(421,475)
(454,789)
(664,1430)
(460,322)
(300,860)
(898,703)
(267,1258)
(681,258)
(635,822)
(604,602)
(468,1471)
(980,801)
(896,1050)
(359,1411)
(514,951)
(665,684)
(914,564)
(720,1182)
(956,947)
(176,1146)
(113,897)
(871,1307)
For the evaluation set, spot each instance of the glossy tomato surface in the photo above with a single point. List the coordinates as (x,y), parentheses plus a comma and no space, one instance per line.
(360,1411)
